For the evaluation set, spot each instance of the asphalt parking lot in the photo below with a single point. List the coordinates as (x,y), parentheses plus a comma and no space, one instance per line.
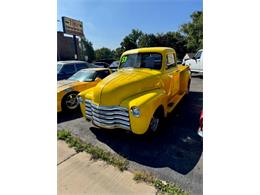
(174,154)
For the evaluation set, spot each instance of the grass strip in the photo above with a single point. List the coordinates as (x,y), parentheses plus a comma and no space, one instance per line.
(95,152)
(162,187)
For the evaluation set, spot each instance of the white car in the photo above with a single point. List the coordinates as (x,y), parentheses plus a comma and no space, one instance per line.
(196,63)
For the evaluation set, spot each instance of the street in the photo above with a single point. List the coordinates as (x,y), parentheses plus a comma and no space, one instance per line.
(174,154)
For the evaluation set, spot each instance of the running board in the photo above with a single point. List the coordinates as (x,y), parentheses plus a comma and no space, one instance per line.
(174,101)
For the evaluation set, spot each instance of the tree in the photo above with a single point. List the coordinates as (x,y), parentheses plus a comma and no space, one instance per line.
(174,40)
(117,53)
(131,41)
(103,53)
(148,40)
(193,32)
(86,49)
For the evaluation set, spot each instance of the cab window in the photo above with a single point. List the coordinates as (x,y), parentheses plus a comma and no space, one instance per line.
(198,55)
(170,61)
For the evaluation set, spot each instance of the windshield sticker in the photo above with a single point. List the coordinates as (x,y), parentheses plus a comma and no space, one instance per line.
(123,59)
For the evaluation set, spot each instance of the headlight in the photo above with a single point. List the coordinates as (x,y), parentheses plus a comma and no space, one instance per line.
(135,111)
(80,100)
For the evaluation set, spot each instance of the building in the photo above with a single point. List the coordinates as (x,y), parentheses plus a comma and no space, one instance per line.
(65,47)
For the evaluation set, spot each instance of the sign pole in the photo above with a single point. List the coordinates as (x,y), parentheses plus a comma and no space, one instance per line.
(75,46)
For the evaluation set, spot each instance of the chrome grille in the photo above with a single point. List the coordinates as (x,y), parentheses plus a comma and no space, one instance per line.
(107,116)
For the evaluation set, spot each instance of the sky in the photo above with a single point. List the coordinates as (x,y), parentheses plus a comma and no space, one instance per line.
(107,22)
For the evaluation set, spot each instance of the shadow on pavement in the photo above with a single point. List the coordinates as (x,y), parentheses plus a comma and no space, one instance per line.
(176,146)
(67,116)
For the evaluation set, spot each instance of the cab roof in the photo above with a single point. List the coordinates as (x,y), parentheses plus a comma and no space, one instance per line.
(149,49)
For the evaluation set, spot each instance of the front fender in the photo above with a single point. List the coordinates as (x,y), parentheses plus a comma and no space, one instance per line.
(147,102)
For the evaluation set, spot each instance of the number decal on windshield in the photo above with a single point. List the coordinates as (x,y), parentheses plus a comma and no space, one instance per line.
(123,59)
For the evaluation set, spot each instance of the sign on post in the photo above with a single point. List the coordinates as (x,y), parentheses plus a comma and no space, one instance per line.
(72,27)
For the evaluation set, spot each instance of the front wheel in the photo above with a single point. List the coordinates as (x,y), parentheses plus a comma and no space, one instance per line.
(155,122)
(70,101)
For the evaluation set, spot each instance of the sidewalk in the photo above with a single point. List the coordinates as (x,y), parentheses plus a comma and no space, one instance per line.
(78,175)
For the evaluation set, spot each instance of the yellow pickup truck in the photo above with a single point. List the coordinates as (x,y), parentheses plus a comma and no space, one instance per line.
(147,86)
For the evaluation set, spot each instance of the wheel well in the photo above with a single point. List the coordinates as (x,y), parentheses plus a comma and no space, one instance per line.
(160,111)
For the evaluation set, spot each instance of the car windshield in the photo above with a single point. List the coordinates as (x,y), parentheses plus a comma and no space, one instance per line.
(142,60)
(114,64)
(59,66)
(83,76)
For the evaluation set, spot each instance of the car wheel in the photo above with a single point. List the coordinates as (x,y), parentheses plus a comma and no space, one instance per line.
(155,122)
(70,101)
(188,88)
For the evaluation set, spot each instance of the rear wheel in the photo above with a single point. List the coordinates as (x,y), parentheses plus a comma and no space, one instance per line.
(70,102)
(188,88)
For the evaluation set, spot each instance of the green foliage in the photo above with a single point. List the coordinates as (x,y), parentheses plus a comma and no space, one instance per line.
(162,187)
(104,53)
(86,50)
(193,32)
(96,152)
(131,41)
(117,53)
(189,38)
(148,40)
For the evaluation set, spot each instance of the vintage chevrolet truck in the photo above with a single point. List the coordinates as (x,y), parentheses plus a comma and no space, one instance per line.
(147,86)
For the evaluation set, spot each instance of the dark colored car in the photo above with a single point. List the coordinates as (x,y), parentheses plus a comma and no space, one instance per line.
(101,65)
(114,66)
(66,69)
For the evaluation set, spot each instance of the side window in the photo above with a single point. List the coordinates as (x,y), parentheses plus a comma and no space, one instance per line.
(68,69)
(197,56)
(170,61)
(81,66)
(102,74)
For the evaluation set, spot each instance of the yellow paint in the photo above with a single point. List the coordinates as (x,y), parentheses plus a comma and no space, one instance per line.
(65,86)
(144,88)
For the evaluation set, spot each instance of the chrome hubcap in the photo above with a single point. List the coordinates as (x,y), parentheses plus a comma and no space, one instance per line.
(154,124)
(71,101)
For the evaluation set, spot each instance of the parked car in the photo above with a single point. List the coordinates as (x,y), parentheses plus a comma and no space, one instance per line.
(65,69)
(146,88)
(101,64)
(200,130)
(67,90)
(196,63)
(114,66)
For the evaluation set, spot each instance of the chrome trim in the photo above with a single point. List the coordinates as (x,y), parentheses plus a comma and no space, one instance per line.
(109,113)
(110,126)
(109,117)
(107,122)
(106,108)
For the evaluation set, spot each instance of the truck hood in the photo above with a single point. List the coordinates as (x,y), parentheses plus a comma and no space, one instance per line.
(123,84)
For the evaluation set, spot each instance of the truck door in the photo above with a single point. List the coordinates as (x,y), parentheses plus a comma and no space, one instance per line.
(171,76)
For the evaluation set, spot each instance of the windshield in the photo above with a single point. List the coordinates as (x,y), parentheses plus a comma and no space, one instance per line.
(142,60)
(59,66)
(83,76)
